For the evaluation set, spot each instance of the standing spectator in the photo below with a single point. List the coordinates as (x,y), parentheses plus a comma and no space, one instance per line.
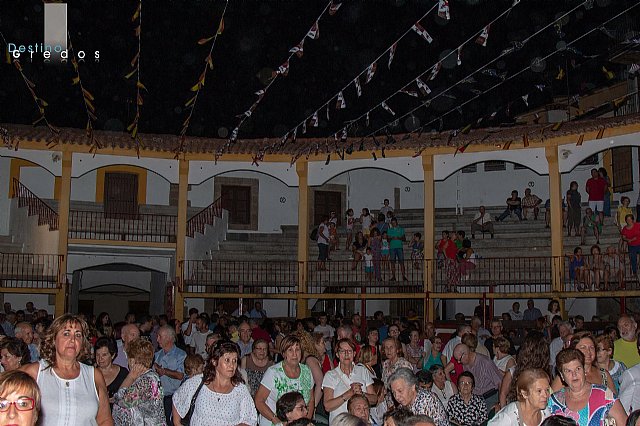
(197,338)
(386,209)
(128,334)
(574,208)
(560,342)
(591,222)
(169,364)
(24,332)
(396,237)
(625,348)
(258,311)
(350,220)
(322,239)
(596,187)
(105,352)
(451,344)
(326,330)
(623,211)
(226,399)
(630,235)
(417,250)
(530,202)
(531,313)
(139,399)
(365,221)
(606,208)
(104,325)
(515,313)
(482,222)
(514,206)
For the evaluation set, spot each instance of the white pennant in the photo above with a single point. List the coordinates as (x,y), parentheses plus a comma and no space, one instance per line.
(386,107)
(392,52)
(525,98)
(370,72)
(328,112)
(304,127)
(459,62)
(422,32)
(423,87)
(409,92)
(367,119)
(340,103)
(435,71)
(314,31)
(314,120)
(484,36)
(443,9)
(356,82)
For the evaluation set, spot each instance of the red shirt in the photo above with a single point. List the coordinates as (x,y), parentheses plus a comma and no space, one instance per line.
(634,232)
(451,250)
(596,189)
(258,333)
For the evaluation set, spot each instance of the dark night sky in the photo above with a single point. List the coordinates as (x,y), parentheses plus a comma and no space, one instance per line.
(257,37)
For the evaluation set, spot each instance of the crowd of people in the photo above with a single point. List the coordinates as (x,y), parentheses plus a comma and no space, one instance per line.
(217,369)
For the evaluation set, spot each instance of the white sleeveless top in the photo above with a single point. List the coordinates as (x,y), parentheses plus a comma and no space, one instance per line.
(502,363)
(67,402)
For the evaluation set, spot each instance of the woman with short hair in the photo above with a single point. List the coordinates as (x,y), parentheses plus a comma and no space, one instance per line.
(530,409)
(442,388)
(105,351)
(291,407)
(409,395)
(19,399)
(14,353)
(587,403)
(465,408)
(256,363)
(220,396)
(139,399)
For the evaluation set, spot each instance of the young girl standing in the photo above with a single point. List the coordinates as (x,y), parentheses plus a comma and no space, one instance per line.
(384,252)
(349,219)
(417,248)
(365,220)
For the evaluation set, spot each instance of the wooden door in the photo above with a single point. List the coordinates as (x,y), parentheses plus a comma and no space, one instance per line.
(325,202)
(120,195)
(237,200)
(622,167)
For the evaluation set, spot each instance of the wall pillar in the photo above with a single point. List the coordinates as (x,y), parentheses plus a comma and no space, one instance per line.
(302,169)
(555,195)
(181,236)
(429,235)
(63,231)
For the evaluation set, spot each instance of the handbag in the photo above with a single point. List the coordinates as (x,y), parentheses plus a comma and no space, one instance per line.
(186,420)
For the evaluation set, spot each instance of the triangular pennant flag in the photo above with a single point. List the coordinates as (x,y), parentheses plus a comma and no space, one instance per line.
(423,87)
(466,129)
(462,148)
(314,31)
(435,70)
(328,112)
(608,74)
(356,82)
(560,75)
(459,61)
(366,121)
(295,134)
(443,9)
(314,120)
(343,136)
(333,8)
(392,52)
(580,140)
(525,98)
(484,36)
(284,69)
(525,140)
(507,145)
(260,93)
(541,87)
(409,92)
(298,49)
(556,126)
(600,133)
(370,72)
(304,127)
(340,103)
(386,107)
(633,70)
(419,29)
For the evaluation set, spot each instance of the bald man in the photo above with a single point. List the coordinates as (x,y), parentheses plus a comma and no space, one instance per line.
(625,348)
(129,333)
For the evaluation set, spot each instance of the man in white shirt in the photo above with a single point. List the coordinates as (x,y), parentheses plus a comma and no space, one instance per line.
(197,337)
(129,333)
(326,330)
(557,344)
(451,344)
(482,222)
(515,313)
(385,209)
(630,388)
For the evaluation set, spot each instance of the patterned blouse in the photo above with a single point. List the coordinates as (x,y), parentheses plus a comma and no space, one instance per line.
(474,413)
(141,403)
(428,404)
(600,402)
(387,370)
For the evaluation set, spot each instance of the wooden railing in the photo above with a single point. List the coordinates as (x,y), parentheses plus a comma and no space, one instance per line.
(26,198)
(148,228)
(204,217)
(29,271)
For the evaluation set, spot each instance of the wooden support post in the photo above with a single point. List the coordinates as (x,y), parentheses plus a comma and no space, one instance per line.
(181,236)
(429,235)
(302,169)
(557,233)
(63,232)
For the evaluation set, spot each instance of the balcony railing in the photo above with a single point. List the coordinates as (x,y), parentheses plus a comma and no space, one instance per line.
(29,271)
(26,198)
(204,217)
(524,275)
(147,228)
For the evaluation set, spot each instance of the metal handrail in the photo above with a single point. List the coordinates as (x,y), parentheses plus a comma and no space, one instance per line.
(26,198)
(204,217)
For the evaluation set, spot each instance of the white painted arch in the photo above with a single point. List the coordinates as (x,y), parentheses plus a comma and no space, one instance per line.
(201,171)
(570,155)
(48,160)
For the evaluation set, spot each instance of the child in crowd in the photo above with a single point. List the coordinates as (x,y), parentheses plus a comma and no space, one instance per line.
(417,249)
(385,252)
(389,216)
(614,265)
(349,219)
(193,365)
(334,242)
(380,407)
(365,221)
(577,268)
(368,264)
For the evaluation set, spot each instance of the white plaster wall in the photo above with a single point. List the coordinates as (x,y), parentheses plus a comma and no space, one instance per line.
(160,262)
(35,239)
(199,171)
(49,160)
(199,246)
(5,201)
(38,180)
(83,188)
(83,163)
(157,189)
(201,195)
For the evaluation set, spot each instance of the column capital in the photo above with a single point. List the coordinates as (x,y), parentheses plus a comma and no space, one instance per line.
(427,162)
(302,168)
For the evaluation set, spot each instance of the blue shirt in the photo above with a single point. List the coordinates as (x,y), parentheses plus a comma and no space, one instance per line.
(33,351)
(531,314)
(173,360)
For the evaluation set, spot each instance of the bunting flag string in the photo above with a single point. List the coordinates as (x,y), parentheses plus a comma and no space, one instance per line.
(283,70)
(482,69)
(197,87)
(392,52)
(370,72)
(41,104)
(419,29)
(135,65)
(87,99)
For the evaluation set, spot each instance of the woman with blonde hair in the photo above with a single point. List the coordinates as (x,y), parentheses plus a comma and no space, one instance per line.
(311,357)
(530,408)
(19,399)
(70,390)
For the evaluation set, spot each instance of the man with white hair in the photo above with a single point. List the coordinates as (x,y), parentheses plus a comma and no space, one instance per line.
(451,344)
(625,348)
(557,344)
(24,332)
(169,364)
(129,333)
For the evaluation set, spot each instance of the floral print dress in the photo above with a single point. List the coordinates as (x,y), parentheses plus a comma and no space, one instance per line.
(141,403)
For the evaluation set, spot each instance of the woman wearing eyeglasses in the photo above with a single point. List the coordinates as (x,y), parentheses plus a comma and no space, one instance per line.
(19,399)
(346,380)
(291,407)
(465,408)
